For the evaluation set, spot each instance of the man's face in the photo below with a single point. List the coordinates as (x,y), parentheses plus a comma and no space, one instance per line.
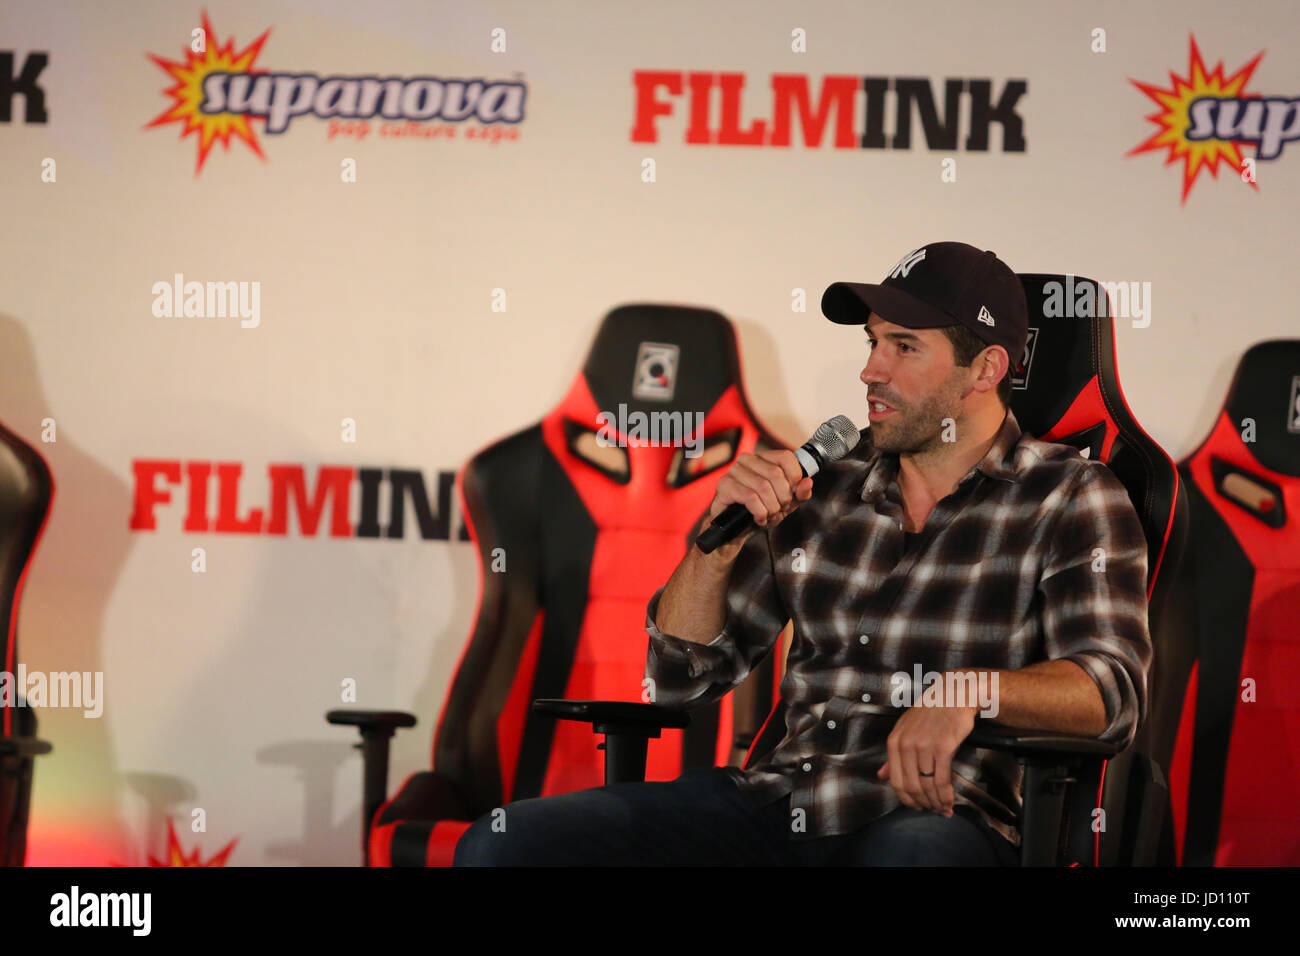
(913,373)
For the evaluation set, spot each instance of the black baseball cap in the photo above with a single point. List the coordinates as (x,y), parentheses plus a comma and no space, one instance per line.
(943,283)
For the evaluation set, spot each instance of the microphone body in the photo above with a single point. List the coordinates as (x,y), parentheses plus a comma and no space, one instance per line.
(832,441)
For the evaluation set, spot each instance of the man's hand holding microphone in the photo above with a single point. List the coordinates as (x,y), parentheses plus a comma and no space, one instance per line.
(760,490)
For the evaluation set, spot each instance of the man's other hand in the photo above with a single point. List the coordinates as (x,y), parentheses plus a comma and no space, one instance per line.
(925,738)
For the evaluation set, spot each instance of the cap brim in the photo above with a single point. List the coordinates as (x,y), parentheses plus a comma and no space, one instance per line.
(851,303)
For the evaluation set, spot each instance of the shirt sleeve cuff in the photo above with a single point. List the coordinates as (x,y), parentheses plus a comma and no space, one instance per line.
(716,657)
(1119,719)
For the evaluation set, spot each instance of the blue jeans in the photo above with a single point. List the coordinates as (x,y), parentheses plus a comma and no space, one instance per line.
(704,819)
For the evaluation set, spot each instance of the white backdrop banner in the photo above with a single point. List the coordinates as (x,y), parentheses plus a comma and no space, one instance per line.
(270,265)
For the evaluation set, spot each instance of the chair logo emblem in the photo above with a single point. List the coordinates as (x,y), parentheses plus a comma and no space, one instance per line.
(1293,412)
(904,265)
(655,378)
(985,316)
(1020,374)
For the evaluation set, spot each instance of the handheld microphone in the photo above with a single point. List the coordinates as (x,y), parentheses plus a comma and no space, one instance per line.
(832,441)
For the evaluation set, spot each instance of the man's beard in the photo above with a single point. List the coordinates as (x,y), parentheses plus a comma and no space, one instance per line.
(919,429)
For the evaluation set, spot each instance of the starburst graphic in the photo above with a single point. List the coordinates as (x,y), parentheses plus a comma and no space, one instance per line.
(177,857)
(187,93)
(1173,117)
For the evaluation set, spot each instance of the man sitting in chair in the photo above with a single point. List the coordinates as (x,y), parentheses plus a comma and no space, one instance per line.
(948,567)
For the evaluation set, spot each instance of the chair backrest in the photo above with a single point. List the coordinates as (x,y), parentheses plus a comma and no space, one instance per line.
(1235,780)
(574,535)
(1066,389)
(26,491)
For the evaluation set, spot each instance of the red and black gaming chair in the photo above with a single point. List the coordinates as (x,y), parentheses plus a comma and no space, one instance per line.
(1236,778)
(1066,390)
(26,490)
(574,535)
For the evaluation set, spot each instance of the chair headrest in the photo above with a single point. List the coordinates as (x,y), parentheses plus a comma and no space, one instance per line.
(662,358)
(1066,389)
(1071,345)
(1266,390)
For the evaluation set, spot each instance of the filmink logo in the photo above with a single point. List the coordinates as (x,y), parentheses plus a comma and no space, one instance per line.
(326,505)
(831,114)
(20,84)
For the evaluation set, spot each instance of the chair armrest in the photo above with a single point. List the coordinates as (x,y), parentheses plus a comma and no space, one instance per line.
(371,720)
(623,717)
(23,747)
(376,727)
(627,726)
(1038,744)
(1052,762)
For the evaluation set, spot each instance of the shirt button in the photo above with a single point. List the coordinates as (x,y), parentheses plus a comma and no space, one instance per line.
(863,639)
(807,767)
(830,724)
(866,698)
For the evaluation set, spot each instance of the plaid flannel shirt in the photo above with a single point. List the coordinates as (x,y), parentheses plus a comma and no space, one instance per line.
(1005,574)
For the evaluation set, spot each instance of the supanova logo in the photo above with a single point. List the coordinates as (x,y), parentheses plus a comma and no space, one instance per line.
(1205,118)
(176,855)
(218,93)
(794,103)
(328,505)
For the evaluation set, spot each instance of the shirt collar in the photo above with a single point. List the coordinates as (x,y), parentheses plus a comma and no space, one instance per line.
(998,462)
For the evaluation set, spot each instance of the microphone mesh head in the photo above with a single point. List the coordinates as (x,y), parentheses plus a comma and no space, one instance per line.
(835,438)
